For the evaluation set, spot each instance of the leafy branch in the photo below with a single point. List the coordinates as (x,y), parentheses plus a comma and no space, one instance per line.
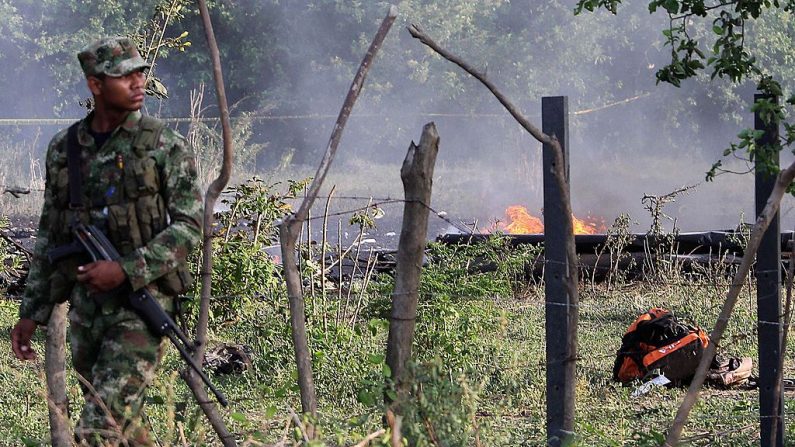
(729,58)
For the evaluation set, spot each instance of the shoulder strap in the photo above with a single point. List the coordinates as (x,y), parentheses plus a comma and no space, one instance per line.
(74,166)
(149,135)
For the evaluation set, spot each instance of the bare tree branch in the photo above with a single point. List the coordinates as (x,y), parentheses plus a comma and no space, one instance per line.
(213,192)
(417,33)
(541,137)
(290,228)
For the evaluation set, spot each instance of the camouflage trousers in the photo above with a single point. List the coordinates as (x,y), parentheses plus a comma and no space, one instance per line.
(116,354)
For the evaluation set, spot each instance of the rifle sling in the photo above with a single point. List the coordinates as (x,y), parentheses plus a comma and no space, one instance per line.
(74,166)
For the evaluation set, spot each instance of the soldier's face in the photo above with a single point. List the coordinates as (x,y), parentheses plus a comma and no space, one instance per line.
(125,93)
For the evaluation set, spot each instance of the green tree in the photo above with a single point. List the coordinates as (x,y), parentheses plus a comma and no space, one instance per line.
(40,40)
(739,41)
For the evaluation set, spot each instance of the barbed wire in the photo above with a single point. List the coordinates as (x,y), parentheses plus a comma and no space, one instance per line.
(315,116)
(692,281)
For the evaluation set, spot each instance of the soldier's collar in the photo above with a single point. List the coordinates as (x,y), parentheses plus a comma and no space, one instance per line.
(130,124)
(132,121)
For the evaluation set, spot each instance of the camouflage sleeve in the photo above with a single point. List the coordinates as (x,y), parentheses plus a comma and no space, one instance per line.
(170,248)
(36,304)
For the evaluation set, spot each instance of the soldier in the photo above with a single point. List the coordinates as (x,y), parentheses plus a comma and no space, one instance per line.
(137,181)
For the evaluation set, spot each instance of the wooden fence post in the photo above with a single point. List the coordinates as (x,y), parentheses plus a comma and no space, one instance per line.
(561,312)
(417,176)
(55,367)
(768,297)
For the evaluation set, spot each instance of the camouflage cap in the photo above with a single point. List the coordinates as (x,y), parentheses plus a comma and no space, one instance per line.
(111,56)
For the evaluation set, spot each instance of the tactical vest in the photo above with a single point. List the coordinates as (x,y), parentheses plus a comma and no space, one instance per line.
(131,212)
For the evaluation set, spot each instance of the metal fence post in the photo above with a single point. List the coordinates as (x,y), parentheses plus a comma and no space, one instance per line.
(768,297)
(560,346)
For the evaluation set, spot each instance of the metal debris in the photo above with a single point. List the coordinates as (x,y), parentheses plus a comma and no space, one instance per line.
(229,358)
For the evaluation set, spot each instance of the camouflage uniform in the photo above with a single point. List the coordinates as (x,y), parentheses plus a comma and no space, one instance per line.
(140,188)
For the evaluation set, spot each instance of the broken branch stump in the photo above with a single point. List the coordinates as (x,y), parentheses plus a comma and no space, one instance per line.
(417,176)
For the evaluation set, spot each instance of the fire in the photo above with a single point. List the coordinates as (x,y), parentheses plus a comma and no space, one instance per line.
(522,222)
(583,227)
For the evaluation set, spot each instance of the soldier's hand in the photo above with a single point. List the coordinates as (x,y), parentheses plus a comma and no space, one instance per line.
(20,339)
(101,276)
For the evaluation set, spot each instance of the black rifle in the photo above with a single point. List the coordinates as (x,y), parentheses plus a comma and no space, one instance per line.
(89,239)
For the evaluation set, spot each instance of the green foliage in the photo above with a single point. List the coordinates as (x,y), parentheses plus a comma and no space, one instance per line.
(685,57)
(242,270)
(490,268)
(365,219)
(729,55)
(440,409)
(592,5)
(152,41)
(40,33)
(648,439)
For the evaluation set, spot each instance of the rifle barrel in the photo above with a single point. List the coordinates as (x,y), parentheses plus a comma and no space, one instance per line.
(196,368)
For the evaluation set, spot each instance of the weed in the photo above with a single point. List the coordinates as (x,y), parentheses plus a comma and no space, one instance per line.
(620,262)
(242,268)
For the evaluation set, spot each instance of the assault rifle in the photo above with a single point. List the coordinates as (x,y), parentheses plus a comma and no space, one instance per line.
(89,239)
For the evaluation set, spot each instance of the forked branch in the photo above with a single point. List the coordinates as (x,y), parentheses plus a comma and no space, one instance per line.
(417,33)
(291,227)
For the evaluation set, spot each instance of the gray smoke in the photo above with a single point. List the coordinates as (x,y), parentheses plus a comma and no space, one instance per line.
(628,136)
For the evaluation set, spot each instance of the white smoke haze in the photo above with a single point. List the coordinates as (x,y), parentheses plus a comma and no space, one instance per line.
(628,136)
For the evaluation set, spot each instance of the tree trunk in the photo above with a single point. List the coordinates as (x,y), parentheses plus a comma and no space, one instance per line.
(417,176)
(55,366)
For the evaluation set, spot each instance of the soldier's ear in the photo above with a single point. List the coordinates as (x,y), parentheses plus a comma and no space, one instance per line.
(94,84)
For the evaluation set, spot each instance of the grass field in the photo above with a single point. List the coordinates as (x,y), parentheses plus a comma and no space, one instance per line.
(480,361)
(479,349)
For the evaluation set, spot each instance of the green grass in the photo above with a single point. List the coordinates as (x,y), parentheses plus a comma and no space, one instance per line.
(489,349)
(479,350)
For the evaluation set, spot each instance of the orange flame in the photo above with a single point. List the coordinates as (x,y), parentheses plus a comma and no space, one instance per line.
(522,222)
